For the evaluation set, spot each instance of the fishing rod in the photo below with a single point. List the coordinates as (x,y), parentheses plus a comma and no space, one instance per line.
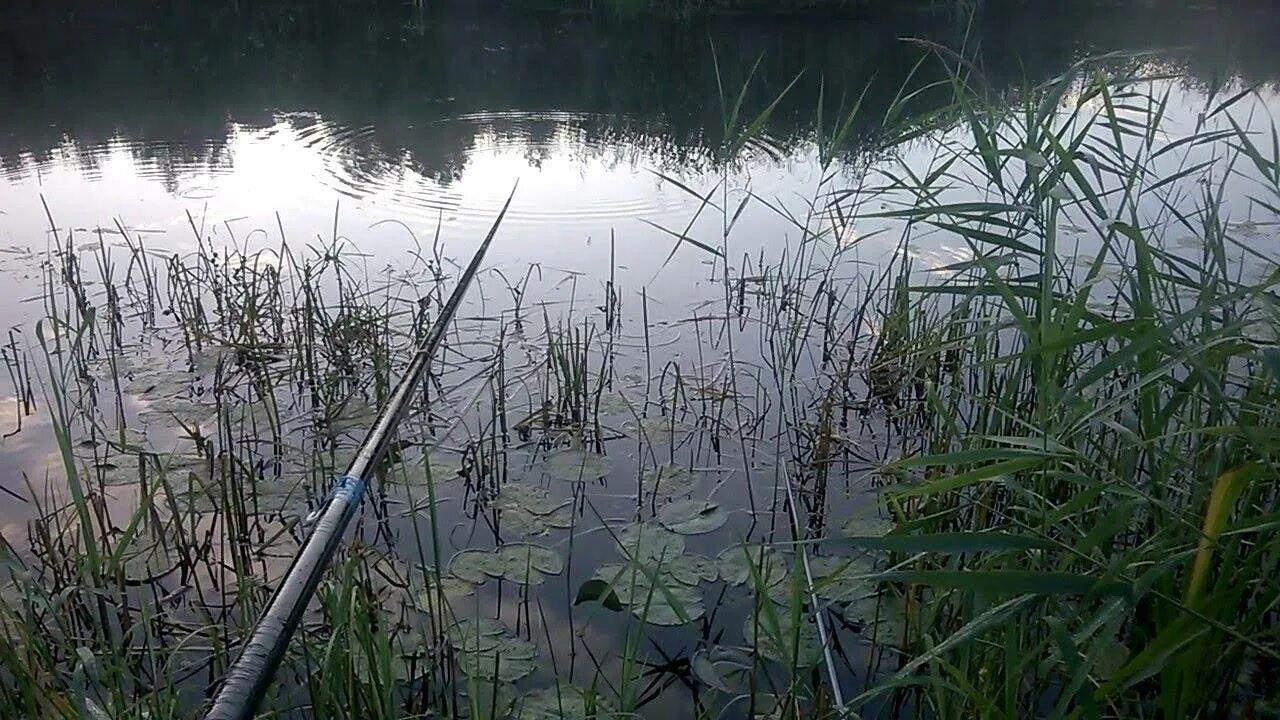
(248,679)
(824,633)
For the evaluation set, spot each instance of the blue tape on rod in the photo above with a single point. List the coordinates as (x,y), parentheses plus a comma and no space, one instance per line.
(349,488)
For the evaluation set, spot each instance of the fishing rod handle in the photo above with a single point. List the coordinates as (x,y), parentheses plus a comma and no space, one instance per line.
(252,673)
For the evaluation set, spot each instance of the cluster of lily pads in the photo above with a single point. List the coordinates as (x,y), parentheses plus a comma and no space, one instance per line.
(520,563)
(530,510)
(657,580)
(486,650)
(494,660)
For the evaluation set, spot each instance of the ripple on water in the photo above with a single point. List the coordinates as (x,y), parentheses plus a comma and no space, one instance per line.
(579,168)
(402,183)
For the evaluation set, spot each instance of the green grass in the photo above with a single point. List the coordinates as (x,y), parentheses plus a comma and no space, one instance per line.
(1038,481)
(1117,408)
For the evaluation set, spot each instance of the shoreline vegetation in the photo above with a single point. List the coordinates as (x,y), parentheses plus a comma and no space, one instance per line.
(428,88)
(1039,481)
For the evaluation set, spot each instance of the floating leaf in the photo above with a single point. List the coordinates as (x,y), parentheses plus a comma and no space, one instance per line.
(652,595)
(660,429)
(487,700)
(149,556)
(1034,159)
(453,588)
(411,467)
(678,605)
(791,641)
(628,581)
(867,525)
(692,569)
(475,566)
(520,573)
(526,498)
(487,651)
(575,465)
(561,518)
(708,674)
(736,564)
(614,402)
(668,481)
(881,617)
(520,522)
(597,590)
(542,559)
(644,542)
(504,662)
(371,668)
(475,634)
(563,702)
(837,578)
(692,517)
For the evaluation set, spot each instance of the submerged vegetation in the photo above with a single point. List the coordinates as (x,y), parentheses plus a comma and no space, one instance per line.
(1039,479)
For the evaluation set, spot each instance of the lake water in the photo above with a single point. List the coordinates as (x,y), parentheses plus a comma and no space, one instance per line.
(382,127)
(390,124)
(146,115)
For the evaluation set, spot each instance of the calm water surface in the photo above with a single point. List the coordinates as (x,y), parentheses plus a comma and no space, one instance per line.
(387,126)
(147,115)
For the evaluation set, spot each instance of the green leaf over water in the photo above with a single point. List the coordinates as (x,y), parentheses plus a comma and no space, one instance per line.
(597,590)
(692,517)
(646,542)
(575,465)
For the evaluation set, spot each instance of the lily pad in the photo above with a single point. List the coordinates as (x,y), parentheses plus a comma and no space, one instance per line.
(527,498)
(453,588)
(786,642)
(487,700)
(669,481)
(736,564)
(564,702)
(628,581)
(368,668)
(722,668)
(575,465)
(560,519)
(473,635)
(519,522)
(614,402)
(839,578)
(867,526)
(881,617)
(659,429)
(679,604)
(475,566)
(645,542)
(504,662)
(537,557)
(444,468)
(708,674)
(692,569)
(791,590)
(652,595)
(692,517)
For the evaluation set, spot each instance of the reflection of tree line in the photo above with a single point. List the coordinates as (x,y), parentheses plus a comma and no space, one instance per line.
(170,79)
